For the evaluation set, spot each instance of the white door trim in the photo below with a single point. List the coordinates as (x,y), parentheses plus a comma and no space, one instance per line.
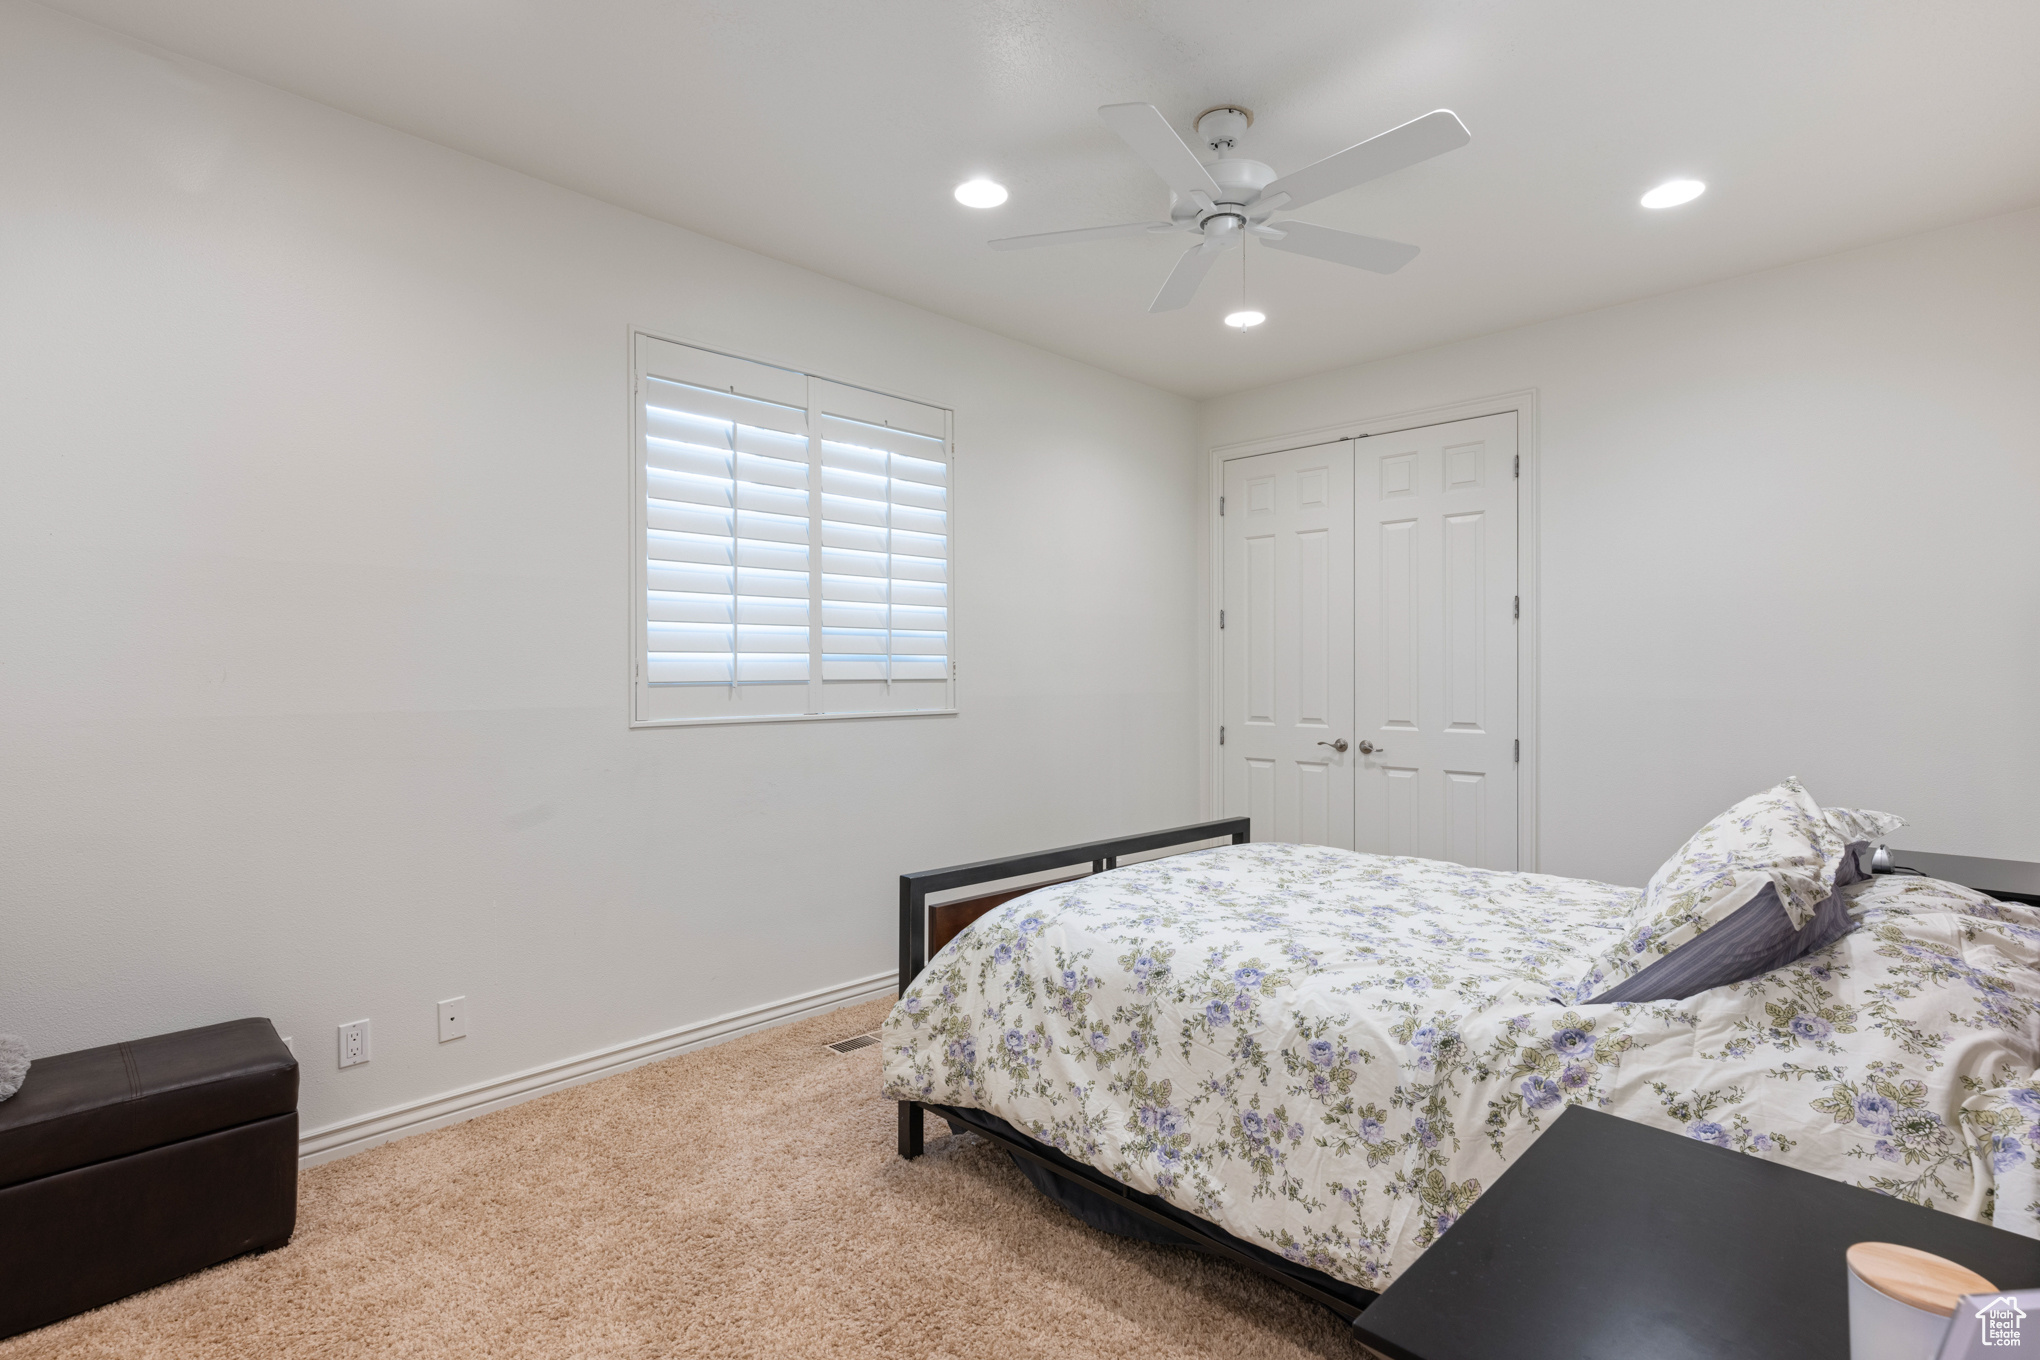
(1524,404)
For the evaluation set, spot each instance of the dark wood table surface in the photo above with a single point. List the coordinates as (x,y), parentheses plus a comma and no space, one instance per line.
(1611,1240)
(2017,879)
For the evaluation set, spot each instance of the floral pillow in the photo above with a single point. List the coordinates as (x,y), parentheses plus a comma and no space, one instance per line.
(1757,884)
(1862,826)
(1861,829)
(13,1064)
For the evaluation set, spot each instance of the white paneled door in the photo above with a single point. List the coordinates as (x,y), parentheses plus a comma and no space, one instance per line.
(1288,643)
(1436,591)
(1370,600)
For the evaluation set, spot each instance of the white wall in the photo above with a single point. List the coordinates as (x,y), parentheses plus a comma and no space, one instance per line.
(314,595)
(1789,526)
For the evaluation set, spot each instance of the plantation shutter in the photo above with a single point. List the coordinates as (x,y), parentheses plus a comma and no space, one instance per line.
(796,538)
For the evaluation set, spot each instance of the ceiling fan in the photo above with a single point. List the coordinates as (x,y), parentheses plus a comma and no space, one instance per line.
(1231,198)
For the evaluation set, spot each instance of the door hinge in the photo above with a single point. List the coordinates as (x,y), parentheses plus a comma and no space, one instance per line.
(1519,465)
(1221,620)
(1519,750)
(1221,735)
(1221,507)
(1519,608)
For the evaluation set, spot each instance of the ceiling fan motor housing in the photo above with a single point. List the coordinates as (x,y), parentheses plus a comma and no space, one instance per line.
(1242,180)
(1239,181)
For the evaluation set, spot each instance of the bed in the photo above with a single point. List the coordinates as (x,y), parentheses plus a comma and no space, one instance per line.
(1312,1060)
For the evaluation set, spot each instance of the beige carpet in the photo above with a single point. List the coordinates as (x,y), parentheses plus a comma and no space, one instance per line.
(744,1200)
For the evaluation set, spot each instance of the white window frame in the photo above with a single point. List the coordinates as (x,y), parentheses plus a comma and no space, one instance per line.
(640,687)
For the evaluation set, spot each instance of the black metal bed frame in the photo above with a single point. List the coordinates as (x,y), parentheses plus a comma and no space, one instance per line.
(915,890)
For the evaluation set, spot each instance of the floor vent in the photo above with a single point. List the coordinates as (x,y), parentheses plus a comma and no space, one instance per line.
(852,1045)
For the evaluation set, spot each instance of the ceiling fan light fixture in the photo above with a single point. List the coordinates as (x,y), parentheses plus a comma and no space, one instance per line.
(980,193)
(1242,320)
(1673,192)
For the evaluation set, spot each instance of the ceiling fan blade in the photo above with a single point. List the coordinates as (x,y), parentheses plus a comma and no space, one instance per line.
(1142,127)
(1057,238)
(1181,285)
(1341,247)
(1417,140)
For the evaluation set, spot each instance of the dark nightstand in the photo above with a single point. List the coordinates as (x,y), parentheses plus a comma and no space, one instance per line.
(1610,1240)
(2010,880)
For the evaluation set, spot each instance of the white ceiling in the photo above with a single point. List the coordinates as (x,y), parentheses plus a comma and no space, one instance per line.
(830,134)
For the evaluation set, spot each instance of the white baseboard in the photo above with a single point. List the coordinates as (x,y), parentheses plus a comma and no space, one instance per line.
(363,1132)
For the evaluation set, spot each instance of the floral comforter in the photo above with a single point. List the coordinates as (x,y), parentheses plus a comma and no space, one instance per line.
(1331,1053)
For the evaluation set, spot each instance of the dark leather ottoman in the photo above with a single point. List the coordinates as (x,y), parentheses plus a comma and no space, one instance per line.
(127,1166)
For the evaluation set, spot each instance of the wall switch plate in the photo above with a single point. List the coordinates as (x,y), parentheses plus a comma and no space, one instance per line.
(354,1043)
(453,1019)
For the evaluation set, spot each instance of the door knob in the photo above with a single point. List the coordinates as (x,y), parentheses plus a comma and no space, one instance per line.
(1368,748)
(1340,745)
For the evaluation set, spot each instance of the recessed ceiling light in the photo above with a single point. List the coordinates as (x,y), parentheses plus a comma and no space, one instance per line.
(1242,320)
(980,193)
(1673,192)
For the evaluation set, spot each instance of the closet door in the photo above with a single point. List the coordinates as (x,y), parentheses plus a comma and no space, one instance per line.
(1435,589)
(1287,539)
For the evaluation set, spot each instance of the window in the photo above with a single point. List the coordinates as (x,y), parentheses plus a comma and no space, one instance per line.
(795,538)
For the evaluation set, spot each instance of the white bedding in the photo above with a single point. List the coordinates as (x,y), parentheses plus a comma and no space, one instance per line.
(1330,1053)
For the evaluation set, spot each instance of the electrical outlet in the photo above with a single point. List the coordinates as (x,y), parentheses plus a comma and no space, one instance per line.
(354,1043)
(453,1019)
